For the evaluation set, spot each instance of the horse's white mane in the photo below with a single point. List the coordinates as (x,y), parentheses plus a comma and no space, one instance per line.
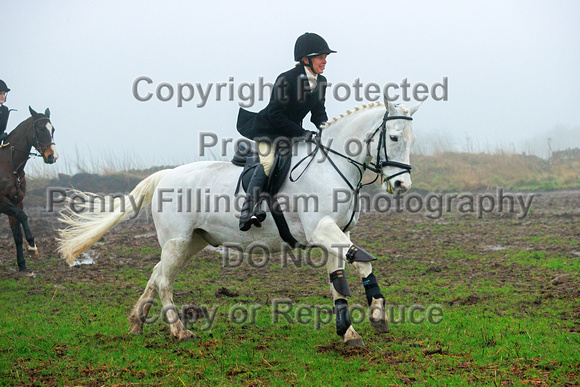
(403,108)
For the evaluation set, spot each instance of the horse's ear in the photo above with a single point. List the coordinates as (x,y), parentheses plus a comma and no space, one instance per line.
(390,107)
(32,112)
(47,113)
(414,108)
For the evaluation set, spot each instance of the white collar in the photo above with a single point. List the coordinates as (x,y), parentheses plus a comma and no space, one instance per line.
(309,73)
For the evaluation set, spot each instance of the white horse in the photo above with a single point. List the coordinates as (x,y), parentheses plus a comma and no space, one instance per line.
(183,228)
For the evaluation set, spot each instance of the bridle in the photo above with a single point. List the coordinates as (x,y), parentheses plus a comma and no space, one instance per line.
(376,167)
(36,143)
(41,147)
(379,165)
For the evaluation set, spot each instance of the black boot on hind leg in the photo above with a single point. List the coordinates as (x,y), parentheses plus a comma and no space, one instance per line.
(22,270)
(257,184)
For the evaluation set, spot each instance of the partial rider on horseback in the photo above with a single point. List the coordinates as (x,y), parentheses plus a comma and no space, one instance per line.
(296,93)
(4,112)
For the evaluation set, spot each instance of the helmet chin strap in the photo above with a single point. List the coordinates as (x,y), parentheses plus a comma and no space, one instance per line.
(310,65)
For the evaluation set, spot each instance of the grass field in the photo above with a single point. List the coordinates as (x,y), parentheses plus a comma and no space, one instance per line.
(508,290)
(455,171)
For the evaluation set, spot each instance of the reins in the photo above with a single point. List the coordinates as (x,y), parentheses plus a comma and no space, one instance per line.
(375,167)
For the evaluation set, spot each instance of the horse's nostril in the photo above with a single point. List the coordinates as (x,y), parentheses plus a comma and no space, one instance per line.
(398,183)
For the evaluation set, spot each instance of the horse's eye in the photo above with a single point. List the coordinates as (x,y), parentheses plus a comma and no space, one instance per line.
(394,138)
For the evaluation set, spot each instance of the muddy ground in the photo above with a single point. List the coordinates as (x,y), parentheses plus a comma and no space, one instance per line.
(552,226)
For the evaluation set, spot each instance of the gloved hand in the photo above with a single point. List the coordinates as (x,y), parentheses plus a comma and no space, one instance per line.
(310,136)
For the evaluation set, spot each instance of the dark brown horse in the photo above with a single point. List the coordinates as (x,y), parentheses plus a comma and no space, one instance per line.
(36,131)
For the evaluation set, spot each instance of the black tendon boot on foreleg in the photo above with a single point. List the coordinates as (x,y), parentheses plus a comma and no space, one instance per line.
(257,183)
(374,297)
(343,323)
(376,302)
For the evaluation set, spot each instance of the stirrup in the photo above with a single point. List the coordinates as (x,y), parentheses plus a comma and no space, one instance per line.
(259,215)
(256,221)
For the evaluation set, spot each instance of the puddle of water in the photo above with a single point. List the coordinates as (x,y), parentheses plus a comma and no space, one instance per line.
(221,250)
(146,235)
(86,258)
(494,248)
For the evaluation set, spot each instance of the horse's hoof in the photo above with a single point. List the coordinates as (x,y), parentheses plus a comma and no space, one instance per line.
(352,339)
(380,326)
(355,343)
(185,335)
(137,331)
(26,273)
(378,317)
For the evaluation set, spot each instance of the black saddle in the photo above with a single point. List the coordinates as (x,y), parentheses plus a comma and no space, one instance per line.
(243,154)
(248,158)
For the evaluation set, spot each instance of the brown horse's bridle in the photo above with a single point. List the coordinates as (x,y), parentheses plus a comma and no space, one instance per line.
(41,147)
(36,143)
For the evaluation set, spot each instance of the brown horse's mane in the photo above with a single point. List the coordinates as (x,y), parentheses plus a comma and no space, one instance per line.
(24,124)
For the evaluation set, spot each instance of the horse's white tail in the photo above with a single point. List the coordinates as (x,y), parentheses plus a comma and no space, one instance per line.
(88,226)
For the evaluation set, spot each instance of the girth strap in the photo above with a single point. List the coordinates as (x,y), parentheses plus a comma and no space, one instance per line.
(281,223)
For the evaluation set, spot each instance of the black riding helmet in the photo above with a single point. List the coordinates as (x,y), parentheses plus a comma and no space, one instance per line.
(3,86)
(310,44)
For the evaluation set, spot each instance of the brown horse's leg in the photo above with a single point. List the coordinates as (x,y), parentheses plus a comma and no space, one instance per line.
(17,233)
(17,217)
(23,218)
(27,233)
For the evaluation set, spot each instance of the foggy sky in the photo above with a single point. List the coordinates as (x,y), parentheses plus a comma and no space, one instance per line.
(512,67)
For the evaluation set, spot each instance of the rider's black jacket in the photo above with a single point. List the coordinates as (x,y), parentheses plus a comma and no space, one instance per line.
(4,113)
(290,102)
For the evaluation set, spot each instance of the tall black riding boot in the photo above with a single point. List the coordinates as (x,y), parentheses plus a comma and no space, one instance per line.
(3,137)
(257,183)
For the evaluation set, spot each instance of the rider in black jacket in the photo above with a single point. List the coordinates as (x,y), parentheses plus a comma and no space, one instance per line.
(4,111)
(296,93)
